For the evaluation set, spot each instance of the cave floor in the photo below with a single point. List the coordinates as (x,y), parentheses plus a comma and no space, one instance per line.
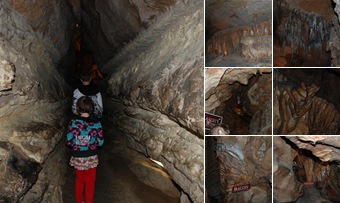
(235,60)
(115,181)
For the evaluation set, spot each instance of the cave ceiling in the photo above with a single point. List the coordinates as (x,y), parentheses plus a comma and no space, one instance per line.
(225,14)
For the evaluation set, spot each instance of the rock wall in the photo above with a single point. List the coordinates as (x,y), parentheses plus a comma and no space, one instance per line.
(307,108)
(286,188)
(156,90)
(245,160)
(241,96)
(334,43)
(212,172)
(308,165)
(232,40)
(302,30)
(128,17)
(218,82)
(33,93)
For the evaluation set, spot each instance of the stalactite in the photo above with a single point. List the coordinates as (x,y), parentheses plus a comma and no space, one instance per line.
(228,41)
(302,29)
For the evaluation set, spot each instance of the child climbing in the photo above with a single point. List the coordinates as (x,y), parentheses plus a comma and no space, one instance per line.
(85,135)
(90,90)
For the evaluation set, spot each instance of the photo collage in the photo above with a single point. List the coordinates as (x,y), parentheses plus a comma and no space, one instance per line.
(271,101)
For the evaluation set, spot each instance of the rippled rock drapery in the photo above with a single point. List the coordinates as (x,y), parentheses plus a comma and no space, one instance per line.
(159,94)
(242,161)
(33,93)
(230,41)
(238,33)
(298,109)
(301,29)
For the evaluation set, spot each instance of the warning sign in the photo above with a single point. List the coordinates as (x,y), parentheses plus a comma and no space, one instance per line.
(211,120)
(241,188)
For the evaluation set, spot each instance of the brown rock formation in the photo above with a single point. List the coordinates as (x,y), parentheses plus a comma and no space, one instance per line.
(241,96)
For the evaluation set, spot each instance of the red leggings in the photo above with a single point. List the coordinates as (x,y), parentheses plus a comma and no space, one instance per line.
(85,178)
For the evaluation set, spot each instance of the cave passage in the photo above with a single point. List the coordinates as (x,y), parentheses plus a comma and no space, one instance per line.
(115,181)
(147,60)
(310,178)
(243,102)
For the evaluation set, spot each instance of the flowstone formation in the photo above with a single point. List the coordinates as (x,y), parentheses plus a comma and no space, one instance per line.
(300,28)
(299,110)
(244,166)
(238,33)
(253,43)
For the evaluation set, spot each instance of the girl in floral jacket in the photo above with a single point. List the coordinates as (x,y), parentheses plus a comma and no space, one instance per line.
(85,135)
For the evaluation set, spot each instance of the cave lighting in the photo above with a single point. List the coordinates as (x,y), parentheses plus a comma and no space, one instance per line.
(157,162)
(238,111)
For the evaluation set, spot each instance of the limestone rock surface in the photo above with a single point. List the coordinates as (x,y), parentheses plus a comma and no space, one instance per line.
(160,97)
(33,38)
(154,175)
(129,17)
(245,160)
(286,187)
